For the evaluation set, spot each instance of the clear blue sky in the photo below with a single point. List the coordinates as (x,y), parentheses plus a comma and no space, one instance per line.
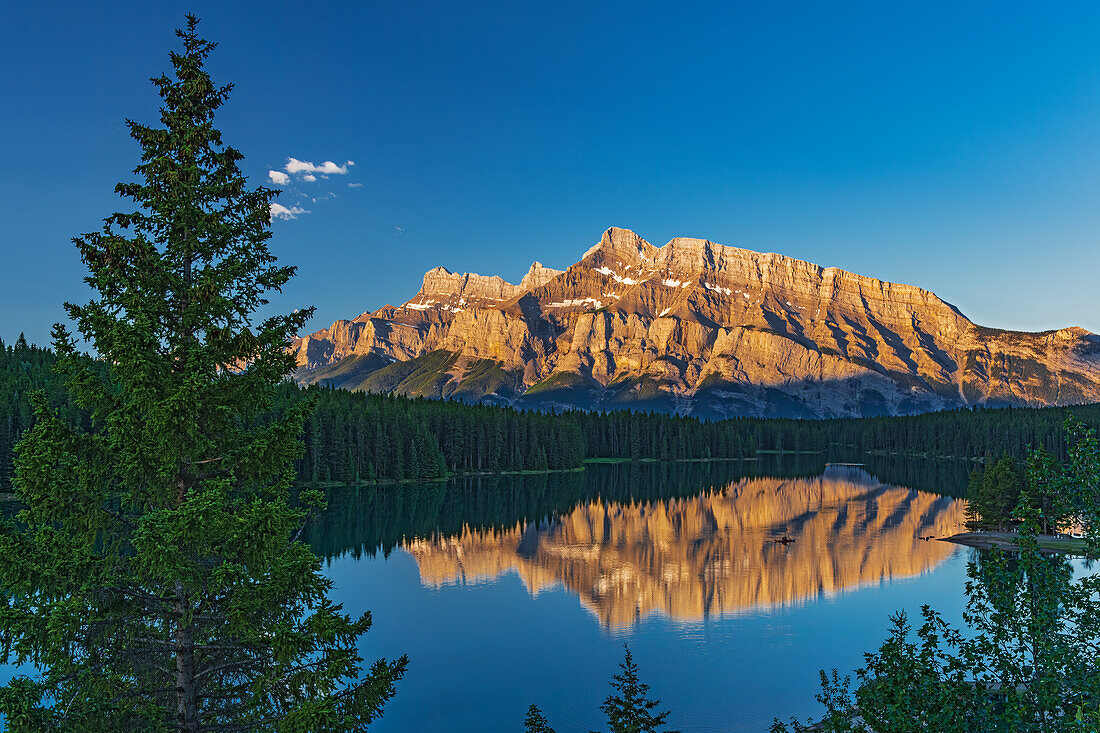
(955,146)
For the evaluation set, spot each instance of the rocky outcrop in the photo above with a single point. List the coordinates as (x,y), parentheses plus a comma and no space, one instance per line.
(700,328)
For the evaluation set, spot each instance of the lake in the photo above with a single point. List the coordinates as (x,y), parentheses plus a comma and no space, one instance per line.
(506,591)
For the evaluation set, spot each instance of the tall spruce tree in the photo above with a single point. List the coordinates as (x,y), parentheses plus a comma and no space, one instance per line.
(154,576)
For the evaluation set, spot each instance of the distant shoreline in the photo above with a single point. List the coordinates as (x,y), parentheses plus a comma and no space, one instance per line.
(529,472)
(1007,541)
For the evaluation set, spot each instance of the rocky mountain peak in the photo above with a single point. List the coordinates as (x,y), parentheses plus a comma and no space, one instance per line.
(537,276)
(440,281)
(620,243)
(701,328)
(1073,333)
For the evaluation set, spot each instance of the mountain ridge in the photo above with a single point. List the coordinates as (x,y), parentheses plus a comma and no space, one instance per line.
(695,327)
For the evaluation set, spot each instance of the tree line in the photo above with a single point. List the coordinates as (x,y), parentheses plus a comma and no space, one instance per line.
(353,437)
(1059,500)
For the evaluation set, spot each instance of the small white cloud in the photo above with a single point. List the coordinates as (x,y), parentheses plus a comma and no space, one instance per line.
(399,230)
(278,211)
(355,185)
(328,168)
(278,178)
(293,165)
(350,163)
(309,177)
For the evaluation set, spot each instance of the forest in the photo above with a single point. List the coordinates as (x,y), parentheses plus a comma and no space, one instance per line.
(355,437)
(996,491)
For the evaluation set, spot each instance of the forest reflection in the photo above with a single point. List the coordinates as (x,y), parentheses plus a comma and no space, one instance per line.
(689,541)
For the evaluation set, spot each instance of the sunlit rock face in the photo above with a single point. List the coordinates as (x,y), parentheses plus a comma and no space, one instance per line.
(699,328)
(714,554)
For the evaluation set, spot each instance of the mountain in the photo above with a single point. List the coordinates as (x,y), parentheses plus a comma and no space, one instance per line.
(696,328)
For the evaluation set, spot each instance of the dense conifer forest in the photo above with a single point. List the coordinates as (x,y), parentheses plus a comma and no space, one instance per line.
(23,369)
(358,437)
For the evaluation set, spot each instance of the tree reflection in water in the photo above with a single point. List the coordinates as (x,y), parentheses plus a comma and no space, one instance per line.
(687,540)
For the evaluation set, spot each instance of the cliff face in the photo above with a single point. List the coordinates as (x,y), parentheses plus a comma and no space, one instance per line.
(713,554)
(697,328)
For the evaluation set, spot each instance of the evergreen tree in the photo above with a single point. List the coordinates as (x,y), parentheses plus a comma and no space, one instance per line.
(993,493)
(536,721)
(628,709)
(154,576)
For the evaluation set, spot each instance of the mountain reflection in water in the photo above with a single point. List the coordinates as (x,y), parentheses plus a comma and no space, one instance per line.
(712,554)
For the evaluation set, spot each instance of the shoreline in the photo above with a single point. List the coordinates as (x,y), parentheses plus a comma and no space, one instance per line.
(528,472)
(1007,541)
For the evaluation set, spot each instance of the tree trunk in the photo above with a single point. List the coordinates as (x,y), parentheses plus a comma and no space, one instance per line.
(187,706)
(187,701)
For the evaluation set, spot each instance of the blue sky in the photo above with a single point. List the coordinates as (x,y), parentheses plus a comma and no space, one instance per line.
(954,146)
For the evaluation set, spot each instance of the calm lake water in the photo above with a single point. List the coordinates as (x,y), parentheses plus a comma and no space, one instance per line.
(511,590)
(505,591)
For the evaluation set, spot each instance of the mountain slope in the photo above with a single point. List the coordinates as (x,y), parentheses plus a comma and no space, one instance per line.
(697,328)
